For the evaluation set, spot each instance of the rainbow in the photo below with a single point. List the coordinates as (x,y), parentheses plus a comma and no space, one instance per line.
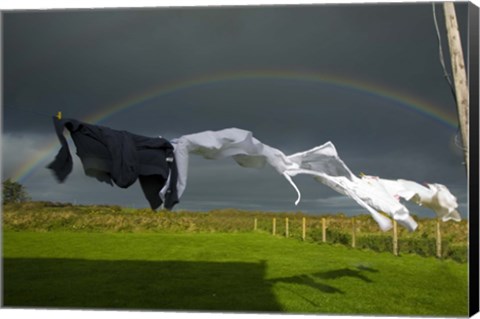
(403,100)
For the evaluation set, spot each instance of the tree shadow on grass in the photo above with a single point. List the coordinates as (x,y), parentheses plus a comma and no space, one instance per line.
(145,285)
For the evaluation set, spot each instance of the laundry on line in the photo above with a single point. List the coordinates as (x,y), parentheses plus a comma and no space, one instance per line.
(161,167)
(120,158)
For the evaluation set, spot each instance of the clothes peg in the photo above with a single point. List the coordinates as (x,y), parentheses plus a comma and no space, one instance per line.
(59,115)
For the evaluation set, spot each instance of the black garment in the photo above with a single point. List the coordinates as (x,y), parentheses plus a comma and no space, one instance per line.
(119,156)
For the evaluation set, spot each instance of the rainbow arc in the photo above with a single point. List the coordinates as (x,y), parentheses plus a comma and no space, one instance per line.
(403,100)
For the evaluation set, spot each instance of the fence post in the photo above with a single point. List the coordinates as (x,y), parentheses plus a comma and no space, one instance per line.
(255,224)
(324,230)
(439,240)
(286,227)
(353,232)
(395,238)
(274,226)
(304,228)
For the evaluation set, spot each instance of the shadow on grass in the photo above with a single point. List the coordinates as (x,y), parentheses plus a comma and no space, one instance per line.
(149,285)
(308,280)
(311,280)
(345,272)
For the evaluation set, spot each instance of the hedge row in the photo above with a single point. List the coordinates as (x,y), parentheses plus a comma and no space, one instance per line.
(47,216)
(384,243)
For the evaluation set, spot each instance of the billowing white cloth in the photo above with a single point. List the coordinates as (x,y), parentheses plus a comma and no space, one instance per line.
(437,197)
(321,162)
(324,164)
(246,150)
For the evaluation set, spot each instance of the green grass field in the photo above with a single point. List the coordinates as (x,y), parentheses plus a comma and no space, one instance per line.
(228,272)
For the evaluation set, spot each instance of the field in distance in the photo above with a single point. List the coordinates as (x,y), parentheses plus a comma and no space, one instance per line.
(47,216)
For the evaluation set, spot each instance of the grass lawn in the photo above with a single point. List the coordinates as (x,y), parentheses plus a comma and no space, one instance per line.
(238,272)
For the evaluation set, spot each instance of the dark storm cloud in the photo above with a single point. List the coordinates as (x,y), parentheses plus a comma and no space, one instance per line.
(83,61)
(92,58)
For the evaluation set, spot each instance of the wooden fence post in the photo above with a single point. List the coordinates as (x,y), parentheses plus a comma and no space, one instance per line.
(353,232)
(439,240)
(395,238)
(304,228)
(274,226)
(255,224)
(324,230)
(286,227)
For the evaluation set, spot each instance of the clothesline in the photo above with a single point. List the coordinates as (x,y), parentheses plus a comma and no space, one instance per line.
(161,166)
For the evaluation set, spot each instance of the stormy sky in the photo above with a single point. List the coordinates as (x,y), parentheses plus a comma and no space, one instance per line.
(297,76)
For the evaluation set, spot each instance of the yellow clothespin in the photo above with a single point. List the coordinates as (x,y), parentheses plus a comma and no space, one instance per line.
(59,115)
(362,174)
